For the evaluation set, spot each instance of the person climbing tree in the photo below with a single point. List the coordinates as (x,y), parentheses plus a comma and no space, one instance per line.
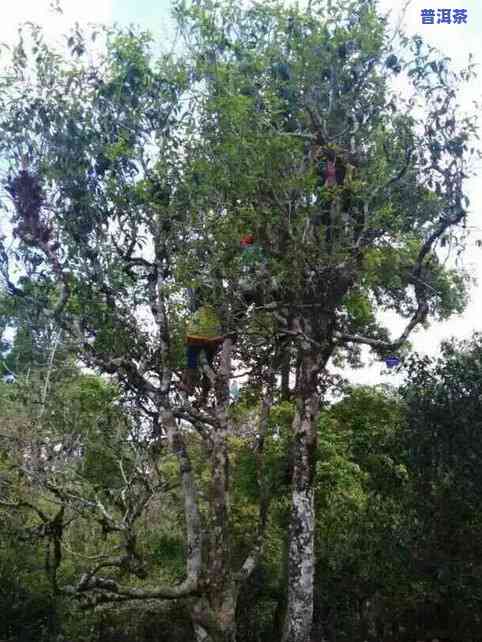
(335,170)
(203,334)
(252,263)
(330,173)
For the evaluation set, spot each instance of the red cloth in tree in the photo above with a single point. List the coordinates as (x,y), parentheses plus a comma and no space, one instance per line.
(247,240)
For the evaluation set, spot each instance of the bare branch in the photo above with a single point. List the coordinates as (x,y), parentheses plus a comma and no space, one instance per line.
(185,589)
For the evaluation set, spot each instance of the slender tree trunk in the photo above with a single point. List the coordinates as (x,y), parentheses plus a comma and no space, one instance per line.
(396,630)
(364,630)
(285,377)
(200,634)
(215,622)
(280,611)
(299,615)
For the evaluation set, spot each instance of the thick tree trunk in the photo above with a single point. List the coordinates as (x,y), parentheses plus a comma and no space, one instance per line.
(214,614)
(300,589)
(299,615)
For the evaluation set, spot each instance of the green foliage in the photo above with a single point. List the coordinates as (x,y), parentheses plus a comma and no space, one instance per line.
(167,552)
(150,172)
(361,484)
(26,602)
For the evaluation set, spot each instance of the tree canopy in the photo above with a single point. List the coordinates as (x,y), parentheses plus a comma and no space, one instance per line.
(269,170)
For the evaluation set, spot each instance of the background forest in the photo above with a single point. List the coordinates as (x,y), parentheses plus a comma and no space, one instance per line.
(191,244)
(398,482)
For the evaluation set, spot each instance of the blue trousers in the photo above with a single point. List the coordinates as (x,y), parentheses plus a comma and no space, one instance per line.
(193,352)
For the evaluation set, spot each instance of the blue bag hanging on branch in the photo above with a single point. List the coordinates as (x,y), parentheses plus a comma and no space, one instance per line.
(392,361)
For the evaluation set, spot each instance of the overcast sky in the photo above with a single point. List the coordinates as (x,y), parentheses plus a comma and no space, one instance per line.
(455,40)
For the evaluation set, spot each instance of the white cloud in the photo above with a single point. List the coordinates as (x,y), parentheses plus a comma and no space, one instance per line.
(39,12)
